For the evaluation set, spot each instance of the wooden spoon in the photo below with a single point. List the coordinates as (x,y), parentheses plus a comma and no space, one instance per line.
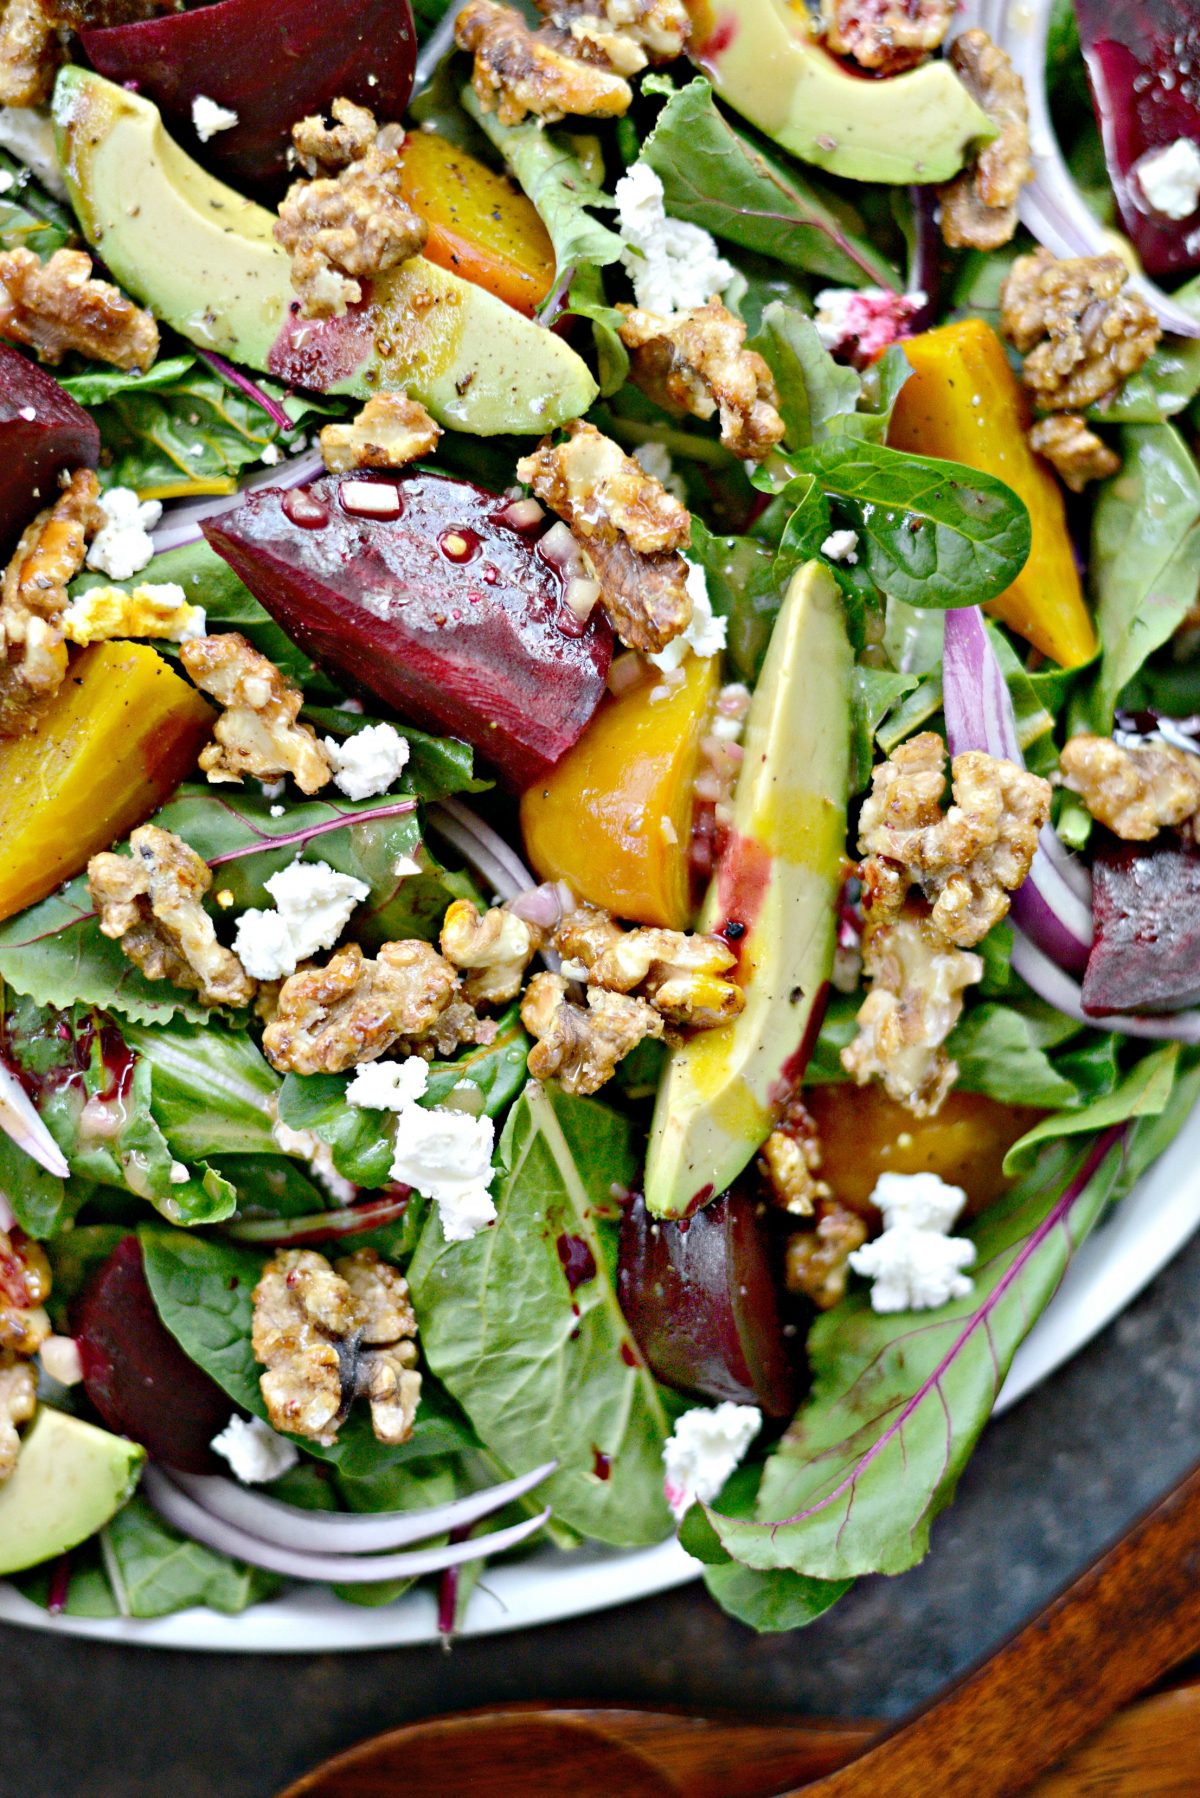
(1117,1629)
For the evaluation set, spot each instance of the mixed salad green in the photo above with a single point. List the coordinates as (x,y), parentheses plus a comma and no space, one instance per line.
(710,1274)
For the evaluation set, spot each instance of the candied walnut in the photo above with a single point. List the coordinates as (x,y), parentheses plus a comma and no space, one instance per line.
(1077,454)
(328,1334)
(817,1259)
(697,362)
(33,598)
(342,229)
(630,527)
(84,15)
(390,430)
(790,1161)
(29,53)
(18,1403)
(915,1000)
(59,305)
(150,902)
(979,207)
(679,974)
(968,859)
(578,1046)
(24,1289)
(518,71)
(1089,335)
(887,35)
(257,732)
(1134,792)
(494,947)
(625,34)
(331,1018)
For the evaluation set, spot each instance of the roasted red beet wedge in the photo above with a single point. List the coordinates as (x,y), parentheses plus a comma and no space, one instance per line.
(270,61)
(702,1301)
(136,1374)
(1143,64)
(1146,911)
(421,591)
(42,432)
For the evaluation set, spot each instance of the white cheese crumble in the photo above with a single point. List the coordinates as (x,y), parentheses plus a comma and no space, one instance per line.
(368,762)
(208,118)
(8,181)
(841,546)
(122,546)
(916,1265)
(319,1156)
(657,461)
(703,1451)
(27,132)
(442,1152)
(253,1450)
(1170,178)
(313,906)
(271,455)
(388,1085)
(704,636)
(673,265)
(153,609)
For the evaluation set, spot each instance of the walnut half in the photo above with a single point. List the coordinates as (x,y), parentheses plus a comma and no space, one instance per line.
(257,732)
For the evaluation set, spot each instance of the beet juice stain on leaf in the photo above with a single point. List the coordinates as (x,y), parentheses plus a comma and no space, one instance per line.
(420,591)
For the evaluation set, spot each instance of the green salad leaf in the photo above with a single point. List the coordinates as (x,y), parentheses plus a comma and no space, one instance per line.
(153,1570)
(818,397)
(212,1090)
(548,171)
(537,1366)
(31,218)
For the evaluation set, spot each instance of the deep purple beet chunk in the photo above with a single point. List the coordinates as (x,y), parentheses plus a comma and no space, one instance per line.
(701,1299)
(35,449)
(1146,911)
(135,1373)
(445,612)
(270,61)
(1143,64)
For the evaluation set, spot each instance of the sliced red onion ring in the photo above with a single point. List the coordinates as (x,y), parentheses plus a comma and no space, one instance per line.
(346,1532)
(1052,207)
(321,1226)
(19,1120)
(494,860)
(1050,906)
(340,1569)
(181,524)
(1057,988)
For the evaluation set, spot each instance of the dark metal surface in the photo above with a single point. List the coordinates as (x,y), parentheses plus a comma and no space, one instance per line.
(1050,1484)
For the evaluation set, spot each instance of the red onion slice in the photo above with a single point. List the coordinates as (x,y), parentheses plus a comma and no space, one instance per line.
(344,1532)
(494,860)
(1057,988)
(1049,907)
(343,1570)
(20,1121)
(1052,207)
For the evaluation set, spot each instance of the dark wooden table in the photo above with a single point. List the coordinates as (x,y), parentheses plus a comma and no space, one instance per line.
(1051,1483)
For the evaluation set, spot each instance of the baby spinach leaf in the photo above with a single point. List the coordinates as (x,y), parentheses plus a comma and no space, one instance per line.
(1158,390)
(549,172)
(156,1571)
(537,1367)
(1145,560)
(496,1068)
(768,1602)
(362,1142)
(714,175)
(898,1400)
(212,1091)
(1144,1092)
(815,392)
(997,1053)
(42,1204)
(931,533)
(873,693)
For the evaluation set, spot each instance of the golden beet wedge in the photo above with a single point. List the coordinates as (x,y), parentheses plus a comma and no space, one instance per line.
(614,817)
(116,741)
(964,404)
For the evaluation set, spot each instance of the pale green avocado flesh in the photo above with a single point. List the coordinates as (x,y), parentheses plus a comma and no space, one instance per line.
(780,877)
(70,1478)
(205,261)
(761,59)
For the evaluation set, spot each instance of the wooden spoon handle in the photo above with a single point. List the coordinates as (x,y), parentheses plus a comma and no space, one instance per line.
(1120,1626)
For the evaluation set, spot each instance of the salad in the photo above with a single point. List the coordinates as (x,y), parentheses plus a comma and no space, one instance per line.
(599,764)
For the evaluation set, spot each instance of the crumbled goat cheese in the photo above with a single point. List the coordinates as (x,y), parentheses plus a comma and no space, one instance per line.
(862,321)
(208,118)
(704,636)
(27,132)
(656,459)
(153,609)
(122,546)
(319,1156)
(915,1265)
(841,546)
(61,1360)
(313,906)
(704,1450)
(253,1450)
(388,1085)
(673,265)
(8,181)
(447,1155)
(271,455)
(368,762)
(1170,178)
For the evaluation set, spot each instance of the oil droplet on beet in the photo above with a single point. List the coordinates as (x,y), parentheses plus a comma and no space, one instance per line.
(578,1262)
(460,544)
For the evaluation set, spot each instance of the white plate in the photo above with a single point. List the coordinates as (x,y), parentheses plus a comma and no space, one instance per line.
(1129,1248)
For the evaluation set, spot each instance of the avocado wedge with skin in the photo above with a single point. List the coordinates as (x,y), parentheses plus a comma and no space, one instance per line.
(70,1478)
(204,260)
(779,880)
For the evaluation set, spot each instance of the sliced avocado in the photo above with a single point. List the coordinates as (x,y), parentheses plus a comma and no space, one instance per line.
(206,262)
(70,1478)
(762,59)
(779,879)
